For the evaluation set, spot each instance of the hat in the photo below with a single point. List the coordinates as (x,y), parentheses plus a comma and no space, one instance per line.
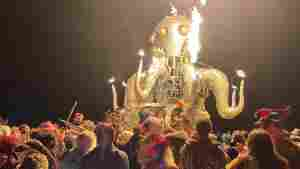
(78,114)
(272,115)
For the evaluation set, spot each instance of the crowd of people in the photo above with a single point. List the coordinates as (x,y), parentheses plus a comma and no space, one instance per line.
(84,144)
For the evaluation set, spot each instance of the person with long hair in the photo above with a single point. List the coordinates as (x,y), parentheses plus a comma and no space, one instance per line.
(260,153)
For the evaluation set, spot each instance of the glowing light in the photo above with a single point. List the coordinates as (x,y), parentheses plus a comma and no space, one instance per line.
(163,31)
(241,73)
(141,52)
(234,87)
(111,80)
(173,9)
(124,84)
(194,45)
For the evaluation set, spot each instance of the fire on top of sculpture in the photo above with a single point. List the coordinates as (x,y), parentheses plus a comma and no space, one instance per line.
(174,73)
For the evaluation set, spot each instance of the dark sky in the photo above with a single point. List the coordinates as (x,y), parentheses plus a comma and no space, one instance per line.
(57,50)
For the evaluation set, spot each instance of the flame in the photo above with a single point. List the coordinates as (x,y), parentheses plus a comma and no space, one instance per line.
(194,45)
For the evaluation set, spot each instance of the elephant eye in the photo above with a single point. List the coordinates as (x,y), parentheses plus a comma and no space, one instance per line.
(163,31)
(183,30)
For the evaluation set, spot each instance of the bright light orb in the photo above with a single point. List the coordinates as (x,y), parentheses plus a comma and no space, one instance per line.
(141,52)
(241,73)
(111,80)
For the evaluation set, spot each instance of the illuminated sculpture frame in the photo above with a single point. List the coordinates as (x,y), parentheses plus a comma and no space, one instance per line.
(175,75)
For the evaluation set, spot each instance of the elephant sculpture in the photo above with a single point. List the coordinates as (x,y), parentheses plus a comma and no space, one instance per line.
(174,73)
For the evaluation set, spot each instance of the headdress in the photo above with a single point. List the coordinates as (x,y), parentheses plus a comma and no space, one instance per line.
(273,115)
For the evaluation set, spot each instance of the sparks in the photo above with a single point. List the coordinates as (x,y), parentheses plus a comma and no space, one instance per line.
(194,45)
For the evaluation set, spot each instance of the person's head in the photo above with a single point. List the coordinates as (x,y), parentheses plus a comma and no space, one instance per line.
(48,139)
(260,143)
(17,133)
(263,150)
(153,126)
(269,121)
(272,127)
(203,128)
(77,118)
(86,141)
(105,134)
(238,139)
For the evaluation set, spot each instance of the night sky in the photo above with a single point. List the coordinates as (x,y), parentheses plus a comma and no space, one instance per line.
(55,51)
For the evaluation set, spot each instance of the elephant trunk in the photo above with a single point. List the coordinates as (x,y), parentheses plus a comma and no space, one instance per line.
(219,85)
(145,81)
